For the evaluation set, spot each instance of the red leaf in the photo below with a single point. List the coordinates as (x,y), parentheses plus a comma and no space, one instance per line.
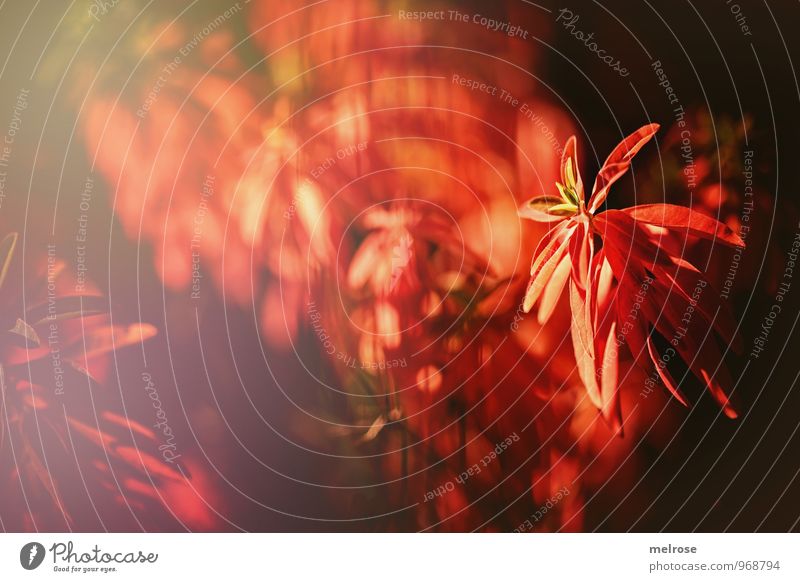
(719,394)
(609,376)
(553,290)
(620,232)
(544,264)
(684,278)
(581,250)
(604,283)
(583,344)
(685,221)
(666,377)
(618,163)
(694,344)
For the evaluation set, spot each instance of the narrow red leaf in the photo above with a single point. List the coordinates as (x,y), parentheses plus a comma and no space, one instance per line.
(553,290)
(544,264)
(666,377)
(692,343)
(618,162)
(609,376)
(685,221)
(684,279)
(583,345)
(581,250)
(604,279)
(719,395)
(623,235)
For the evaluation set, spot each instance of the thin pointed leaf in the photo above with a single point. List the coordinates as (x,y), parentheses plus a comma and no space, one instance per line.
(618,162)
(684,278)
(666,377)
(719,394)
(68,307)
(542,269)
(564,193)
(95,342)
(581,250)
(568,209)
(129,424)
(553,291)
(569,170)
(582,343)
(609,377)
(569,160)
(604,287)
(685,221)
(82,370)
(636,338)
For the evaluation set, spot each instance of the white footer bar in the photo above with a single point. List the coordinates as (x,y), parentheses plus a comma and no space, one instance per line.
(400,557)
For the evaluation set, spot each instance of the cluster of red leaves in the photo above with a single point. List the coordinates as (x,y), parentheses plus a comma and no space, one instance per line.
(635,285)
(54,356)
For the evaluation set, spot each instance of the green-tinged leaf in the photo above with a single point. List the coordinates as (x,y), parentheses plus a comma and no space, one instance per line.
(568,194)
(569,167)
(568,209)
(570,175)
(546,209)
(563,191)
